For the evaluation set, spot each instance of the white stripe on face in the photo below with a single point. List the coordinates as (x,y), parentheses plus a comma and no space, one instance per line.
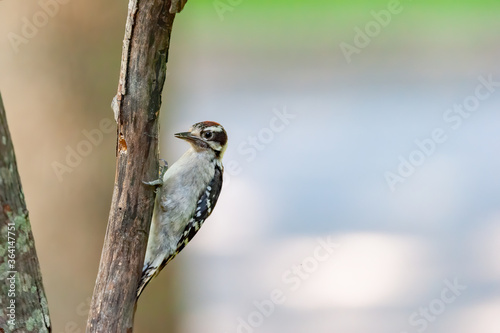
(215,145)
(213,129)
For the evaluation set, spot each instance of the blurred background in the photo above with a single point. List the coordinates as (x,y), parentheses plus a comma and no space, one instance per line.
(361,188)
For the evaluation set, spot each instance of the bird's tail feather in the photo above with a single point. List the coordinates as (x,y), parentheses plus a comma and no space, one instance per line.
(150,271)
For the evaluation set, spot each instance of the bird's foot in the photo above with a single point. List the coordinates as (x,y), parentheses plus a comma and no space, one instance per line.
(163,168)
(161,173)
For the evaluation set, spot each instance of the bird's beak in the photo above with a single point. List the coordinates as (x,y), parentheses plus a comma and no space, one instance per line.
(186,136)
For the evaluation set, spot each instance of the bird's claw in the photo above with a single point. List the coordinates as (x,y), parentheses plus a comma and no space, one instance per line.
(161,172)
(156,182)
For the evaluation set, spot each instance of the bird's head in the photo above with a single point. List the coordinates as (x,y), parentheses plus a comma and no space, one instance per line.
(206,135)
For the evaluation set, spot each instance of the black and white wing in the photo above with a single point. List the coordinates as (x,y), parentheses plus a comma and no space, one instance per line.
(204,208)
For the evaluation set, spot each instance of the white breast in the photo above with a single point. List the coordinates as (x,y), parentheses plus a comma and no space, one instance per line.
(183,183)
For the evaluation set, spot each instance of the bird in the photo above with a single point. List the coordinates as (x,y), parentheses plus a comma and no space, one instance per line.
(186,196)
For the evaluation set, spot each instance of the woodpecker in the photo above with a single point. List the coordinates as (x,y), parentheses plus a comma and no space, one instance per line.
(187,194)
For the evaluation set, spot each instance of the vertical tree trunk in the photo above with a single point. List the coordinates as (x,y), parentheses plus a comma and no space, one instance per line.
(23,305)
(136,106)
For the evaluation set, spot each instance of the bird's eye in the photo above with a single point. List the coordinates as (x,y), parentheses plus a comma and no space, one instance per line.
(207,135)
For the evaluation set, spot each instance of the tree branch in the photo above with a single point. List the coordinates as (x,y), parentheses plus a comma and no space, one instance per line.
(136,107)
(24,306)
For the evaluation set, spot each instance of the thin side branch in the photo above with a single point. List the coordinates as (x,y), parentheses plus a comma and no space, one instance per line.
(24,306)
(136,106)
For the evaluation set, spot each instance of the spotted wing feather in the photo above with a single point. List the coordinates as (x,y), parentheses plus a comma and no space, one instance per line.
(204,208)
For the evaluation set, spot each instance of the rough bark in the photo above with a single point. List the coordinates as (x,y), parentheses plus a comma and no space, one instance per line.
(22,297)
(136,106)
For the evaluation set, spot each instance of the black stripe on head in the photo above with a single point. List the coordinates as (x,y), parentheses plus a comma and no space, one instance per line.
(220,137)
